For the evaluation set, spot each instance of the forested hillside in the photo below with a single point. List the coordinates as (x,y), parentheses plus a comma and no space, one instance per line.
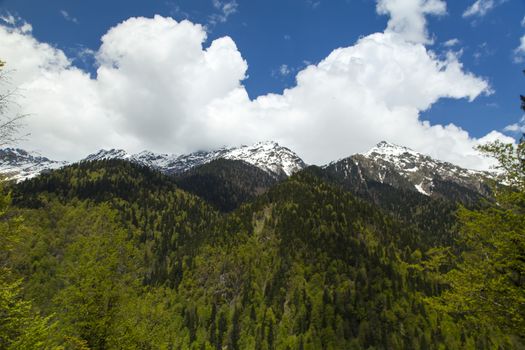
(112,255)
(226,183)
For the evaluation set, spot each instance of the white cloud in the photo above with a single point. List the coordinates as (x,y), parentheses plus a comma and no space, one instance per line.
(479,8)
(519,52)
(495,136)
(68,17)
(407,17)
(451,42)
(154,77)
(85,54)
(158,88)
(8,19)
(516,127)
(359,95)
(15,23)
(225,8)
(283,71)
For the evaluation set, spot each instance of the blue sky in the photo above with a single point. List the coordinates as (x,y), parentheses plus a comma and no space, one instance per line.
(278,39)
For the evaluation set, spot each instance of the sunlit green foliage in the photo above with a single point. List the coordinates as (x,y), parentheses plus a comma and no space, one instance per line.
(488,284)
(21,327)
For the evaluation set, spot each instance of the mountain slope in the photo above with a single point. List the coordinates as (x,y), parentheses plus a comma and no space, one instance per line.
(169,223)
(226,183)
(405,169)
(18,165)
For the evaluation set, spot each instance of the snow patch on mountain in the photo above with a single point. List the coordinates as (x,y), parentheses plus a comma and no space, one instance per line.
(18,165)
(419,188)
(107,154)
(390,151)
(268,156)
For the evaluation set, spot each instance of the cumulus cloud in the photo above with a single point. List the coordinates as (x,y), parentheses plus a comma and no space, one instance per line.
(157,87)
(361,94)
(408,17)
(153,82)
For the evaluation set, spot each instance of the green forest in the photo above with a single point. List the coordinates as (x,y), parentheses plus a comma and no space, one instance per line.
(112,255)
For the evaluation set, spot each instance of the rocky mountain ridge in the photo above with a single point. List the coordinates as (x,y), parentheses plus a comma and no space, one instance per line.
(278,161)
(406,169)
(386,163)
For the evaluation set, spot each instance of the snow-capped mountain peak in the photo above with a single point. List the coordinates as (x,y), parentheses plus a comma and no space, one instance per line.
(108,154)
(157,161)
(405,168)
(389,149)
(406,160)
(269,156)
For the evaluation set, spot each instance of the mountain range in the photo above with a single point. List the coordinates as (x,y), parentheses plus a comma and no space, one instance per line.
(17,164)
(385,163)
